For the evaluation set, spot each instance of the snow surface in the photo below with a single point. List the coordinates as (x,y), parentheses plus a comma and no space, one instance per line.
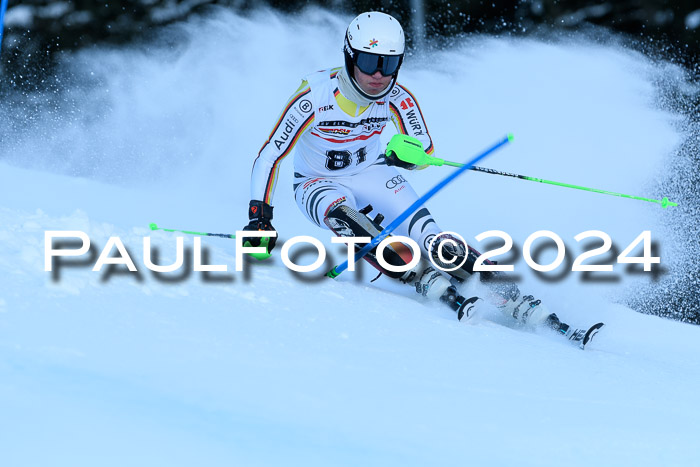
(266,369)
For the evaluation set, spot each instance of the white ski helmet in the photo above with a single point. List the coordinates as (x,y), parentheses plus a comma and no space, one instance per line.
(374,42)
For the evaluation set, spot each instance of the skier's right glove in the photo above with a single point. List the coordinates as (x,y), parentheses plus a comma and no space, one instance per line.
(392,159)
(260,215)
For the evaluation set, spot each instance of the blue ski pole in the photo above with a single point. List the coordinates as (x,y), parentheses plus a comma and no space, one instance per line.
(339,269)
(3,7)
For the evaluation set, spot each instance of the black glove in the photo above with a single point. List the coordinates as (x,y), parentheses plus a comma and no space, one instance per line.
(260,215)
(391,159)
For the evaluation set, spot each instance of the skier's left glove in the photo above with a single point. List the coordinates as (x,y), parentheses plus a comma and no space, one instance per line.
(260,215)
(392,159)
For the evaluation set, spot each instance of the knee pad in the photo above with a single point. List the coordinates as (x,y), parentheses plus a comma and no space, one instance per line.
(345,221)
(449,251)
(453,252)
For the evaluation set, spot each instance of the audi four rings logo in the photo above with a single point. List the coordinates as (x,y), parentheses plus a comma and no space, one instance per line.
(394,182)
(305,106)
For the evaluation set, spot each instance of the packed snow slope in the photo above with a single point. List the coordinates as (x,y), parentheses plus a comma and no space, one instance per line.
(114,368)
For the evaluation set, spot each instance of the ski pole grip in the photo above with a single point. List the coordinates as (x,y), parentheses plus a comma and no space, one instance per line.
(408,149)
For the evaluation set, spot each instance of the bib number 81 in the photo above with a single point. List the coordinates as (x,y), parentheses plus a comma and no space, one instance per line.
(338,160)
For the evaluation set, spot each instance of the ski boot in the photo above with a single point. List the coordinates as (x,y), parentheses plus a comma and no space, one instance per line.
(528,310)
(466,308)
(525,309)
(430,283)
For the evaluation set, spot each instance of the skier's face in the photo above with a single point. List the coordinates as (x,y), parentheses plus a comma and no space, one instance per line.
(372,84)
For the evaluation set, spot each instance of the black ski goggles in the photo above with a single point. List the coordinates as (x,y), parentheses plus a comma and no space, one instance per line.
(369,64)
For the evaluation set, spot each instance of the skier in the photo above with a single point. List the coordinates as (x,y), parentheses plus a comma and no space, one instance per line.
(341,174)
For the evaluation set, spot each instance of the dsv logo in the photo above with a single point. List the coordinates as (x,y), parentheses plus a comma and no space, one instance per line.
(394,182)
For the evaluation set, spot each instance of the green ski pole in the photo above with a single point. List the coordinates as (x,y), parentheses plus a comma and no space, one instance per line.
(664,202)
(154,226)
(410,150)
(263,241)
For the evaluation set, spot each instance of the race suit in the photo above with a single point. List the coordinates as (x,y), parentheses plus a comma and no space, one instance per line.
(339,158)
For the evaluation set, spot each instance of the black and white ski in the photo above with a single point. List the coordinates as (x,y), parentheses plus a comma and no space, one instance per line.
(582,336)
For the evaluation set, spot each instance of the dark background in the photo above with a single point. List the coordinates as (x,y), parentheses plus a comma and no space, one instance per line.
(47,27)
(38,32)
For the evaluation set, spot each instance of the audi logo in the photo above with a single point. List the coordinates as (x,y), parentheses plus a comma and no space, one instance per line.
(395,181)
